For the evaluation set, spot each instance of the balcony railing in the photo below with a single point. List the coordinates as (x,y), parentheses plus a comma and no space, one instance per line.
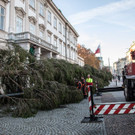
(31,37)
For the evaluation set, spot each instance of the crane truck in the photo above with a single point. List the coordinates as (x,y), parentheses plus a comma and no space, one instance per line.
(129,78)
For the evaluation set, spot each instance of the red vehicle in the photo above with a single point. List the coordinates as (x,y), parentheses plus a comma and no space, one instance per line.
(129,79)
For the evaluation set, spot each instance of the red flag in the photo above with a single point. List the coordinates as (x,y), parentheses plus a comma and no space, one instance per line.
(98,50)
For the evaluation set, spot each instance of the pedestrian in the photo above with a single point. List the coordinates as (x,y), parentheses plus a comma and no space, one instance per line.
(32,50)
(123,75)
(119,78)
(83,81)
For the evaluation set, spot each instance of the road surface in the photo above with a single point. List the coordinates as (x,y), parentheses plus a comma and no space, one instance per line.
(67,121)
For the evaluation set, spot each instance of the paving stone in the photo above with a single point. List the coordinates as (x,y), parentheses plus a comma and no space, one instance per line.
(118,124)
(61,121)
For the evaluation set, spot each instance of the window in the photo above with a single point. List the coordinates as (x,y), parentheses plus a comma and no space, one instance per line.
(49,17)
(32,3)
(41,11)
(71,38)
(41,34)
(60,47)
(2,17)
(74,40)
(55,22)
(60,28)
(68,52)
(22,1)
(32,28)
(64,31)
(63,51)
(55,41)
(67,34)
(73,55)
(19,24)
(49,38)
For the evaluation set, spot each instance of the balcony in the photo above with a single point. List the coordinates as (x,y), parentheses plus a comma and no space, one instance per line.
(27,36)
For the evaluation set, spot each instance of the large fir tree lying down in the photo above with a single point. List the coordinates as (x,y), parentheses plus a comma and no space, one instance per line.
(46,84)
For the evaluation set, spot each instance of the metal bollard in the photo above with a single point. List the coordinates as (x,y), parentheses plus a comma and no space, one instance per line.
(97,91)
(116,82)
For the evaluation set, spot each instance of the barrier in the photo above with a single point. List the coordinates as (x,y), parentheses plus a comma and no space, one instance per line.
(92,117)
(106,108)
(118,108)
(97,90)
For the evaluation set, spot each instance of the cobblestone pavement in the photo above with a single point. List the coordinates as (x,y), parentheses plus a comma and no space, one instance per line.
(67,121)
(118,124)
(61,121)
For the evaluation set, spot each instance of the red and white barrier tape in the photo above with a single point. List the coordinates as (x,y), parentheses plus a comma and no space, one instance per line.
(108,108)
(118,108)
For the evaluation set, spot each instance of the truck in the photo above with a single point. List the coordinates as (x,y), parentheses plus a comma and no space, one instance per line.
(129,78)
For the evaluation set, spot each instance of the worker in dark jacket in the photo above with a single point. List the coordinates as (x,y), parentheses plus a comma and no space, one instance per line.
(78,84)
(32,50)
(84,87)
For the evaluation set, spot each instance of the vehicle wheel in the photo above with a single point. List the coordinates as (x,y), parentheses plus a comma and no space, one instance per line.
(127,90)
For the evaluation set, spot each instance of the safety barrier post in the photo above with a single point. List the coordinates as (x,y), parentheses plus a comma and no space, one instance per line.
(114,108)
(92,117)
(97,91)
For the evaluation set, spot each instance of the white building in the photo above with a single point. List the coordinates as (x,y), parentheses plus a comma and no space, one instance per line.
(80,61)
(40,23)
(118,66)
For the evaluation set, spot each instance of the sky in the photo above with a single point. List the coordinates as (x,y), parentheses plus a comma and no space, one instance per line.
(110,23)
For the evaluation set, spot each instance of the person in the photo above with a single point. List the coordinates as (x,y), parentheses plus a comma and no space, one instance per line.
(124,73)
(84,87)
(89,81)
(119,77)
(32,50)
(78,84)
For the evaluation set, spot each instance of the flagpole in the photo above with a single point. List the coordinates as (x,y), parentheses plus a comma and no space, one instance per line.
(100,50)
(101,57)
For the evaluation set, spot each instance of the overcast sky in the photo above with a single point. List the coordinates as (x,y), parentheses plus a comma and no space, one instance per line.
(110,23)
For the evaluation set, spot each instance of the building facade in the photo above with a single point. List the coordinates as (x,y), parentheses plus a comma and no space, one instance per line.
(80,61)
(40,23)
(128,53)
(118,66)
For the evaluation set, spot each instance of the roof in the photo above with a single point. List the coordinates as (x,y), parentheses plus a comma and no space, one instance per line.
(58,11)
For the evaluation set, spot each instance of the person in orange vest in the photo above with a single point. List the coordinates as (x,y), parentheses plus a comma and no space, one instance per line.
(84,87)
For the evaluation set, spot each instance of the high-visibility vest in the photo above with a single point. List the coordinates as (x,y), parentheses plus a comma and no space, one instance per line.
(89,81)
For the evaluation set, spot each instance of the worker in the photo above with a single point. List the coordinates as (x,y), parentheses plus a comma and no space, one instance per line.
(84,87)
(89,81)
(78,84)
(32,50)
